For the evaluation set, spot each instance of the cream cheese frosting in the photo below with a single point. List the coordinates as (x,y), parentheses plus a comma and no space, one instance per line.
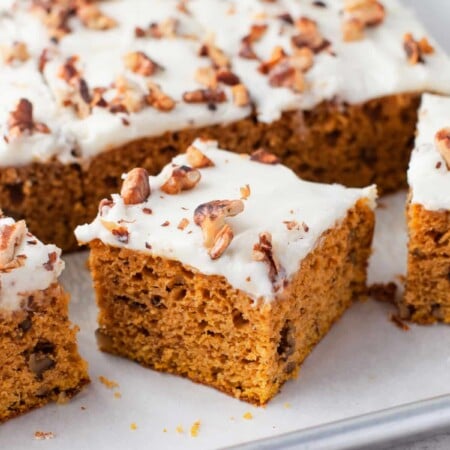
(428,175)
(352,72)
(32,266)
(277,198)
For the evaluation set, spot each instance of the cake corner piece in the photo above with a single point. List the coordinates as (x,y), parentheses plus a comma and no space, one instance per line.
(227,272)
(39,360)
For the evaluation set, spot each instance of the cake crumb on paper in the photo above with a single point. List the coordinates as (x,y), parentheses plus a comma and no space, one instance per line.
(117,395)
(164,430)
(43,435)
(399,322)
(248,416)
(133,426)
(195,428)
(110,384)
(179,429)
(287,405)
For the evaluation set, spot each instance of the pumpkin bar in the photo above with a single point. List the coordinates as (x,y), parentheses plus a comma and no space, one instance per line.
(227,269)
(39,360)
(92,89)
(427,297)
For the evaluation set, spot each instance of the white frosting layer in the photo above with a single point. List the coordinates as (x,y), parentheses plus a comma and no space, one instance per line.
(359,71)
(277,195)
(428,176)
(34,274)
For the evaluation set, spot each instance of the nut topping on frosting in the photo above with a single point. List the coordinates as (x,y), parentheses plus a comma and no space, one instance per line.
(265,157)
(91,16)
(21,122)
(221,242)
(241,97)
(256,33)
(197,159)
(205,96)
(18,51)
(139,62)
(442,141)
(415,50)
(10,237)
(216,55)
(245,192)
(136,187)
(182,179)
(360,14)
(263,251)
(166,28)
(158,99)
(211,218)
(128,97)
(309,36)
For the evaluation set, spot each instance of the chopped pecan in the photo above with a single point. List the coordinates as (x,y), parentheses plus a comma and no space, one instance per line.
(104,203)
(183,178)
(91,16)
(158,99)
(302,59)
(43,59)
(257,31)
(309,36)
(21,121)
(136,187)
(442,141)
(264,157)
(287,18)
(17,52)
(50,264)
(241,96)
(121,234)
(211,217)
(10,238)
(205,96)
(197,159)
(166,28)
(359,14)
(286,75)
(221,242)
(278,55)
(415,50)
(183,223)
(227,77)
(245,192)
(206,76)
(216,55)
(263,251)
(139,62)
(128,97)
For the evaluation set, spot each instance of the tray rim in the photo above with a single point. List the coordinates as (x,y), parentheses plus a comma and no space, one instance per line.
(383,427)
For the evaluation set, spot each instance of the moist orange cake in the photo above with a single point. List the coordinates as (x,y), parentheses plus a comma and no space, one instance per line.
(225,268)
(92,89)
(427,294)
(39,360)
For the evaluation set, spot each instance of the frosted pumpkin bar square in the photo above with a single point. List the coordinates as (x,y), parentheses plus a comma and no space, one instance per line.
(39,360)
(226,268)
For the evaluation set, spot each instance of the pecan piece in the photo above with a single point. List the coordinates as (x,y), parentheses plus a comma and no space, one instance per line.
(227,77)
(263,251)
(158,99)
(17,52)
(245,192)
(264,157)
(128,97)
(197,159)
(205,96)
(360,14)
(211,217)
(257,31)
(20,121)
(216,55)
(166,28)
(206,76)
(309,36)
(139,62)
(286,75)
(241,96)
(183,178)
(277,56)
(221,242)
(415,50)
(10,238)
(91,17)
(136,187)
(442,141)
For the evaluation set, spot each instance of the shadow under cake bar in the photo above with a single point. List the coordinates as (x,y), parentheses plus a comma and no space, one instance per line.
(226,269)
(92,89)
(427,295)
(39,360)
